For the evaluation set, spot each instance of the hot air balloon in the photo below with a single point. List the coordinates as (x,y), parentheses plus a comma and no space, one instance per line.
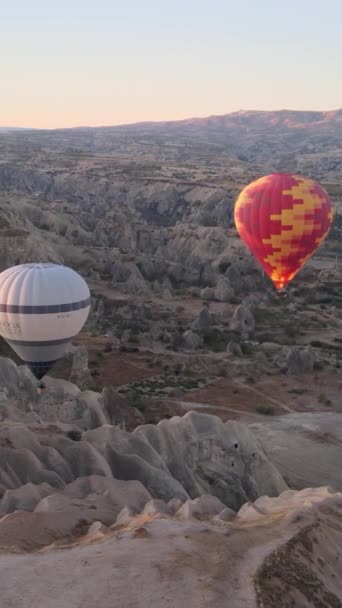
(283,218)
(42,307)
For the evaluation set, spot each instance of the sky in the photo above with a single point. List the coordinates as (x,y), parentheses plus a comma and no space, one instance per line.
(66,63)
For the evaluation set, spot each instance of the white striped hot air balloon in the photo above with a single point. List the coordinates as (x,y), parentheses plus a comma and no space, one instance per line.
(42,307)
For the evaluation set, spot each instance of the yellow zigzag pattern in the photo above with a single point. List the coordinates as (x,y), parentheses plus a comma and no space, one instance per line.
(306,201)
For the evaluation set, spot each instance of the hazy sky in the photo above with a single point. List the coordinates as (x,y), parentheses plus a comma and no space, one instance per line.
(101,62)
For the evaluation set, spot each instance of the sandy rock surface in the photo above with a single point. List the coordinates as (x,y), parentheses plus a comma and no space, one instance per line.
(281,552)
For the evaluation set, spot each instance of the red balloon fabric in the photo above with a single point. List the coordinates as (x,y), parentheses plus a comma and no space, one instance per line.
(283,218)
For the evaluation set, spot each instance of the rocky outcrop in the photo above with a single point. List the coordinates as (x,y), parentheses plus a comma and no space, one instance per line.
(24,498)
(243,321)
(258,555)
(121,272)
(181,458)
(191,339)
(235,277)
(107,497)
(115,407)
(300,361)
(275,353)
(136,286)
(305,447)
(113,342)
(208,276)
(224,291)
(128,278)
(203,321)
(65,402)
(252,302)
(204,507)
(220,459)
(100,309)
(166,289)
(234,349)
(208,293)
(80,373)
(16,381)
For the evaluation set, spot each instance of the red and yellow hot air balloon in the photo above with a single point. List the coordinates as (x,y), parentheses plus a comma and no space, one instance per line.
(283,218)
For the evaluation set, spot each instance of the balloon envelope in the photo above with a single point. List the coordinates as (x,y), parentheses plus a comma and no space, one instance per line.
(283,218)
(42,307)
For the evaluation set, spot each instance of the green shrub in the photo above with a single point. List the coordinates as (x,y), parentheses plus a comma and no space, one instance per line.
(265,410)
(214,340)
(188,372)
(322,398)
(137,400)
(133,339)
(290,331)
(247,349)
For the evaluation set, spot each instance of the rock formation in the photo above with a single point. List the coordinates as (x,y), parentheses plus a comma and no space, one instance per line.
(191,339)
(204,320)
(243,321)
(224,291)
(258,555)
(80,374)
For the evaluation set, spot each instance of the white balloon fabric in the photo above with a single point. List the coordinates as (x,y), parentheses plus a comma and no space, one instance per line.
(42,307)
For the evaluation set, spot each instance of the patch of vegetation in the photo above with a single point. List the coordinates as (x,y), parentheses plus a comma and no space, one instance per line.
(133,339)
(94,332)
(190,384)
(265,410)
(323,399)
(136,400)
(180,291)
(118,331)
(214,340)
(97,388)
(74,435)
(290,330)
(278,318)
(188,372)
(155,386)
(223,266)
(247,349)
(297,391)
(128,348)
(263,315)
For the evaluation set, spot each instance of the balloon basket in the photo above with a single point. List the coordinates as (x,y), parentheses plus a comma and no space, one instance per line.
(41,388)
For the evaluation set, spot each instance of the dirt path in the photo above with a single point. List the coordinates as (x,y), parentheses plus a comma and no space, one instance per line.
(166,564)
(266,397)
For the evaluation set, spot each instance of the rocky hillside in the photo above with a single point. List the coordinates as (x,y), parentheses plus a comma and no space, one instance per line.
(279,552)
(223,506)
(161,191)
(283,140)
(175,295)
(197,417)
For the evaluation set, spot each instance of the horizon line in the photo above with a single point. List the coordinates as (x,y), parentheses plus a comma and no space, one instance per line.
(166,121)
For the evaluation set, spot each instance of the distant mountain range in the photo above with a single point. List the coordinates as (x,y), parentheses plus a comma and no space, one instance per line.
(291,118)
(306,142)
(7,129)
